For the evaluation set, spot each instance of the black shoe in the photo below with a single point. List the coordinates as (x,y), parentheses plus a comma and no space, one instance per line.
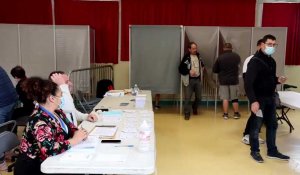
(257,157)
(195,111)
(187,116)
(278,155)
(156,107)
(225,116)
(236,115)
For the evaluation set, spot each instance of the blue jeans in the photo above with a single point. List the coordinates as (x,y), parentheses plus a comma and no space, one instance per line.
(268,107)
(6,112)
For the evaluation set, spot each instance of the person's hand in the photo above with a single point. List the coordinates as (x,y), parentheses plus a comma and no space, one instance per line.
(58,79)
(192,72)
(282,79)
(79,135)
(92,117)
(255,107)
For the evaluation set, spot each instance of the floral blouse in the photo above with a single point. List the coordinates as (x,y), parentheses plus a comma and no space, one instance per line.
(44,136)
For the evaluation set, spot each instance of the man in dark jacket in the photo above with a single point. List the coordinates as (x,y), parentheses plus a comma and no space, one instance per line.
(191,69)
(260,85)
(227,67)
(19,75)
(8,99)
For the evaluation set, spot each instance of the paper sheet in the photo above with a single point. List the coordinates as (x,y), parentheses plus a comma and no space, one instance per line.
(89,144)
(76,156)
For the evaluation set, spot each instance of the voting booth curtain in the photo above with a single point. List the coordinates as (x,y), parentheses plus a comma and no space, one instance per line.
(40,49)
(157,50)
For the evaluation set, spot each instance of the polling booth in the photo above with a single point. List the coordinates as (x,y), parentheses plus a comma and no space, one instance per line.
(41,49)
(156,51)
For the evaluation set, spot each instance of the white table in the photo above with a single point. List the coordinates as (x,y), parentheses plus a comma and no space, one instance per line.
(111,158)
(114,102)
(289,100)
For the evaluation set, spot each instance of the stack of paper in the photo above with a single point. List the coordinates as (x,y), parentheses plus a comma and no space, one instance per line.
(114,93)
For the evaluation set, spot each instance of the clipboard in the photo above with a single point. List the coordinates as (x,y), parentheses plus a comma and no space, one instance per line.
(104,131)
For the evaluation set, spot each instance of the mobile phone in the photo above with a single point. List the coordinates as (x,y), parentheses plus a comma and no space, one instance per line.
(101,109)
(124,104)
(111,141)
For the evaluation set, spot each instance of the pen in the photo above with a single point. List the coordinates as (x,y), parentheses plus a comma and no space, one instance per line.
(124,146)
(106,126)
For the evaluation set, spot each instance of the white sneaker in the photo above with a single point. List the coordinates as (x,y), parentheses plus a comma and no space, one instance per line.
(245,139)
(3,166)
(261,141)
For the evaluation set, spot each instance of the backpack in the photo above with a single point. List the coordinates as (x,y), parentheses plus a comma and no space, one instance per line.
(103,86)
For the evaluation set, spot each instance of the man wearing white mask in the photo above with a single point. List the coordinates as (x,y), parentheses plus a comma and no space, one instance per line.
(260,85)
(65,84)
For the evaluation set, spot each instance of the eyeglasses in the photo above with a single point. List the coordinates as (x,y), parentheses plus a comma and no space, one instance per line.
(271,44)
(57,96)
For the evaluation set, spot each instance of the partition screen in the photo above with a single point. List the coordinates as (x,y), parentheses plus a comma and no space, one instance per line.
(155,57)
(9,47)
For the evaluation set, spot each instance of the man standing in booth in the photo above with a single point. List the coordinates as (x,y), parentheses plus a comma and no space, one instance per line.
(191,68)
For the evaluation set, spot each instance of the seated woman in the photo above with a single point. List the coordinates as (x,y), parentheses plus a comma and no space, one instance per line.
(48,131)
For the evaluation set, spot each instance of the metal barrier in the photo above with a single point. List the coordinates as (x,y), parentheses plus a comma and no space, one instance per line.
(85,83)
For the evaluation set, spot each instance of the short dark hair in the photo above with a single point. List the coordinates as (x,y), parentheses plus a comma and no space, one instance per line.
(38,89)
(259,42)
(18,72)
(190,44)
(269,36)
(56,72)
(228,46)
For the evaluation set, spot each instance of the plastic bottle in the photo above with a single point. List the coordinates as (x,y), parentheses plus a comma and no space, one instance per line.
(135,90)
(144,136)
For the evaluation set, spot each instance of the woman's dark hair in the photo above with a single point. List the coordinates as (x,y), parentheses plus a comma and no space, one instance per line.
(18,72)
(38,89)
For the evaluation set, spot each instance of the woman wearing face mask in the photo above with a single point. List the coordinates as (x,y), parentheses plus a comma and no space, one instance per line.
(48,131)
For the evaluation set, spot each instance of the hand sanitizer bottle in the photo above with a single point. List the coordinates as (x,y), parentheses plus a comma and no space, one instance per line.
(144,136)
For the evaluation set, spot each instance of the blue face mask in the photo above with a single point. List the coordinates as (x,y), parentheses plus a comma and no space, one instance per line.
(62,102)
(269,50)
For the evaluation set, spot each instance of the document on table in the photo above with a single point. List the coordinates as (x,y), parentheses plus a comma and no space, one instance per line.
(114,93)
(112,116)
(76,156)
(89,144)
(104,131)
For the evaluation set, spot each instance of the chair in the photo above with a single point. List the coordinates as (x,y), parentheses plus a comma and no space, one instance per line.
(283,109)
(84,105)
(8,139)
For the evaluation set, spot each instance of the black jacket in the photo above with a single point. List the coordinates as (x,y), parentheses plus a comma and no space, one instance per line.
(227,67)
(185,65)
(260,78)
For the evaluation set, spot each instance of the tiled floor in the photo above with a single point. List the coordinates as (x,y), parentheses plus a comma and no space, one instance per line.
(209,145)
